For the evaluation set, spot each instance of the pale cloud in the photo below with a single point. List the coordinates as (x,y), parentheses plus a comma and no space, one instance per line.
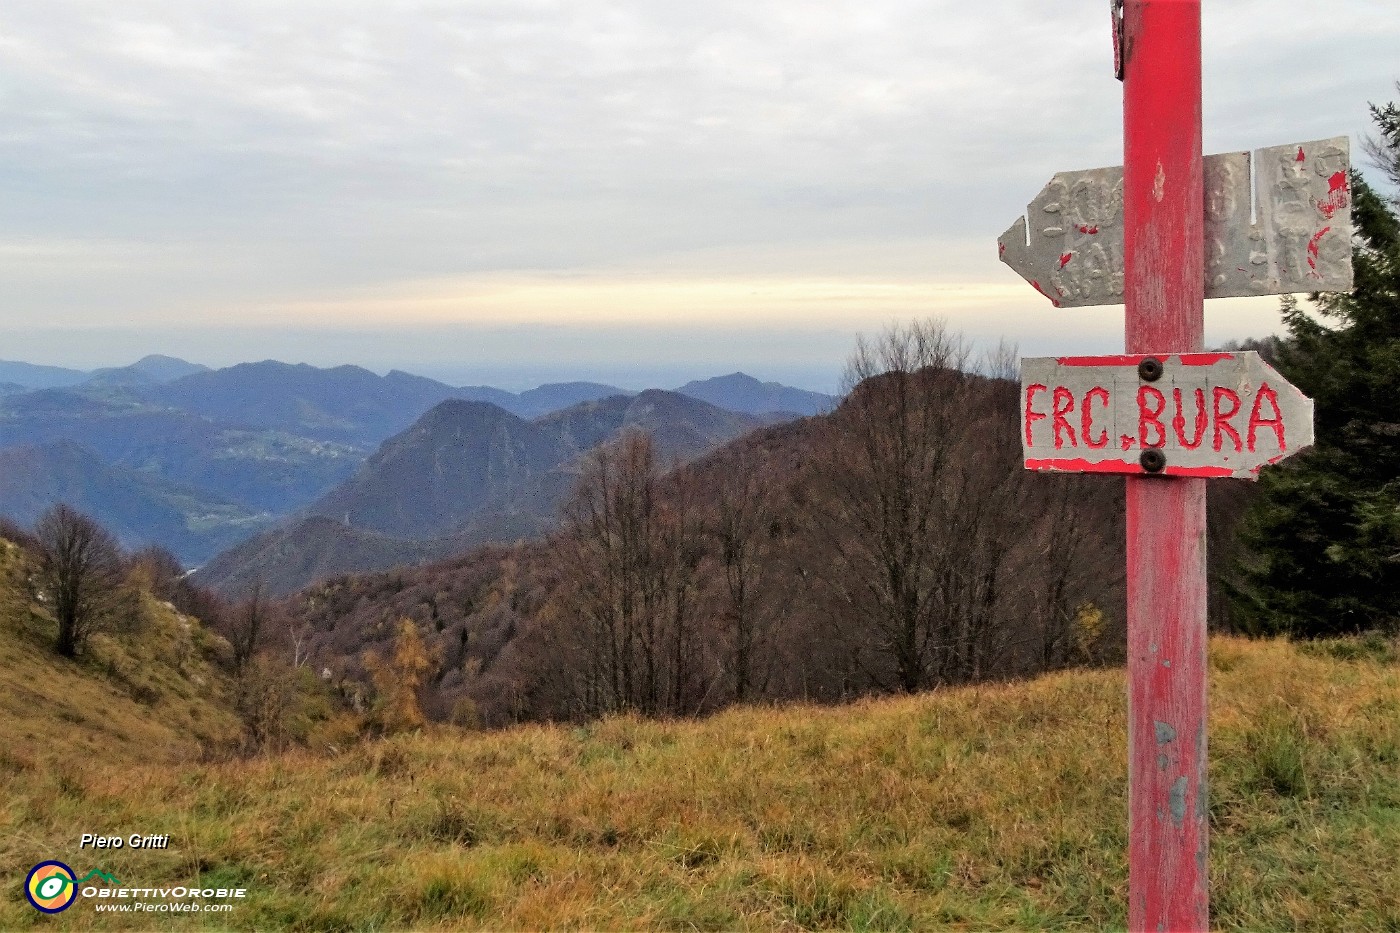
(602,302)
(587,163)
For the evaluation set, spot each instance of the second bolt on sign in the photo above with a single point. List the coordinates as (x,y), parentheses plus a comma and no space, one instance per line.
(1183,414)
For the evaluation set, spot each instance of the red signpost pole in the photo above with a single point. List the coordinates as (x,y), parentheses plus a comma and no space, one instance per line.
(1164,292)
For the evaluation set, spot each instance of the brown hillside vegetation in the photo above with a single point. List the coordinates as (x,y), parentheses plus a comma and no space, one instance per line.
(147,691)
(282,559)
(893,544)
(990,807)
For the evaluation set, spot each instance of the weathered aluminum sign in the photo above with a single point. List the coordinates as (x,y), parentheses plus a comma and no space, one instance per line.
(1186,414)
(1300,240)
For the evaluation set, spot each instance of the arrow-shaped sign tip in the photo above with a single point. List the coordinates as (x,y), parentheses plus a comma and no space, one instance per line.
(1011,245)
(1012,249)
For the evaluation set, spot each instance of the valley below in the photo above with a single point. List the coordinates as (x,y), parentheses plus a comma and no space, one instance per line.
(228,465)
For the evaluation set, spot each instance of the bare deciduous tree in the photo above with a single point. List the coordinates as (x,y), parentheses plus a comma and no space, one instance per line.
(299,632)
(265,695)
(959,563)
(80,574)
(741,531)
(631,575)
(161,573)
(884,513)
(247,625)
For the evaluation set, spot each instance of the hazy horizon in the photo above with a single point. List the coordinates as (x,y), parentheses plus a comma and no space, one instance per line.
(521,378)
(523,357)
(596,190)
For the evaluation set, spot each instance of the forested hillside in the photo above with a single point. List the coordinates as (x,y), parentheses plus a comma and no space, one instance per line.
(894,544)
(1321,550)
(465,474)
(137,506)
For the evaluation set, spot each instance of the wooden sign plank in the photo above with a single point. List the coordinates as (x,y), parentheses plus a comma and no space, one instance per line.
(1186,414)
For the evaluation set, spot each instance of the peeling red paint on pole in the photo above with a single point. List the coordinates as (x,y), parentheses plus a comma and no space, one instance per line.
(1164,293)
(1138,235)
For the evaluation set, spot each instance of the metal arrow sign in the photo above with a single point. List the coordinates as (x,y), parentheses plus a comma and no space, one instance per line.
(1298,241)
(1187,414)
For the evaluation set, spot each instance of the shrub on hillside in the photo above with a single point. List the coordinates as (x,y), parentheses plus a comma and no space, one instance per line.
(398,679)
(80,575)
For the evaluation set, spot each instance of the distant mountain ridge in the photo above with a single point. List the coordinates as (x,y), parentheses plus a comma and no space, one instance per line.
(465,458)
(152,369)
(429,479)
(737,391)
(742,392)
(346,404)
(33,376)
(466,473)
(559,395)
(262,469)
(149,370)
(273,437)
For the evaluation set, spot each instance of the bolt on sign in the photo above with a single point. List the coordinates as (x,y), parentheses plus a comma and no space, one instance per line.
(1071,248)
(1185,414)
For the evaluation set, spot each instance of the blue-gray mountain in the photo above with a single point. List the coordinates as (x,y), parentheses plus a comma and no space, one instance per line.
(258,467)
(467,473)
(31,376)
(264,438)
(740,392)
(140,509)
(149,370)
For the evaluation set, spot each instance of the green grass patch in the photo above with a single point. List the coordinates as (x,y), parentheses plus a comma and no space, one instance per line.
(997,807)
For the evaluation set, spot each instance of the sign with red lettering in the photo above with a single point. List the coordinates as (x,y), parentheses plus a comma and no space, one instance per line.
(1178,414)
(1071,249)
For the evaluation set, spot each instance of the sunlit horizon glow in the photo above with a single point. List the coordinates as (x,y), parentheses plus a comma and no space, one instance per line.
(624,190)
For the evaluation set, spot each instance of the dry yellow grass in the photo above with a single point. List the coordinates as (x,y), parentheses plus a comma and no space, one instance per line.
(986,808)
(147,696)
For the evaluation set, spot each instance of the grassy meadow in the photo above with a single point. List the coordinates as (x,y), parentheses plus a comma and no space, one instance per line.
(988,808)
(131,699)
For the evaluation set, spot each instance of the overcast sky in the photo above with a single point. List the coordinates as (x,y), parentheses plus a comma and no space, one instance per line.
(644,192)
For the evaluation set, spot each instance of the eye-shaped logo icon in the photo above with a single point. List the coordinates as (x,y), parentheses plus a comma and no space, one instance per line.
(51,887)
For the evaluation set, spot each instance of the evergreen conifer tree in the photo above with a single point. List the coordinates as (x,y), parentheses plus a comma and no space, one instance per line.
(1322,553)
